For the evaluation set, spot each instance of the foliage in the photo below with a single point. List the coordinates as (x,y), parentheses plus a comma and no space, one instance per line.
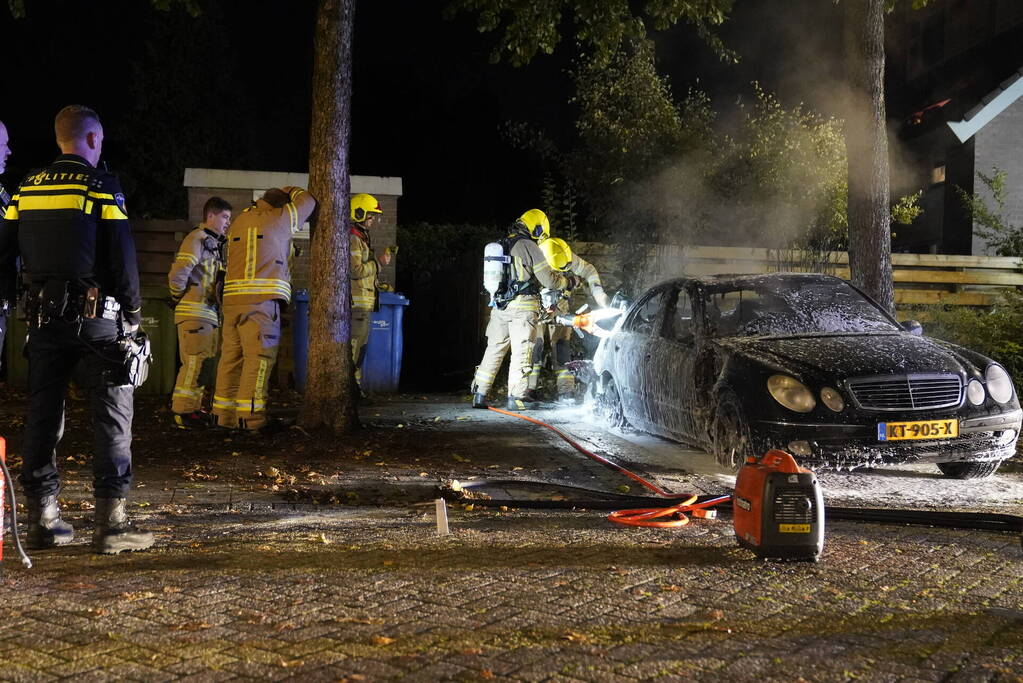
(992,331)
(906,209)
(529,27)
(428,248)
(992,224)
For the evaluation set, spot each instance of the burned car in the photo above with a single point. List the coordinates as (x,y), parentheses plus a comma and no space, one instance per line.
(807,363)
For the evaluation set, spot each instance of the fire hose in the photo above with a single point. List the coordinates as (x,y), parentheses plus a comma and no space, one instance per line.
(7,483)
(982,521)
(649,517)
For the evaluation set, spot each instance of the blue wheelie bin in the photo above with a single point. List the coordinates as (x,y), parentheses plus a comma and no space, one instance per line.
(381,366)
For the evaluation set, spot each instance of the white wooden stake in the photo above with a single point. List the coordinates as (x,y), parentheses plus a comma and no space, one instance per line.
(442,517)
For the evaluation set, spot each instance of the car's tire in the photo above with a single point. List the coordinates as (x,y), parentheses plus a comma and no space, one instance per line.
(611,409)
(969,470)
(731,434)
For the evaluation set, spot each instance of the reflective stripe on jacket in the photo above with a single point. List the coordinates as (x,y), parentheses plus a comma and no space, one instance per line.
(259,250)
(193,277)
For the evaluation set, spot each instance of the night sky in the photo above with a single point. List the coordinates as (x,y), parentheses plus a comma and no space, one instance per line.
(230,89)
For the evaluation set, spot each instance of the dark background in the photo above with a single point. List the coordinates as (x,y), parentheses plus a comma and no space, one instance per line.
(230,89)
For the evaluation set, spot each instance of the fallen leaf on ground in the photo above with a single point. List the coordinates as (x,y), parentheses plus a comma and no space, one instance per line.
(382,640)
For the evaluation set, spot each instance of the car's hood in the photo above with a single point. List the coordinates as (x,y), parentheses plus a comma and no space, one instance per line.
(842,356)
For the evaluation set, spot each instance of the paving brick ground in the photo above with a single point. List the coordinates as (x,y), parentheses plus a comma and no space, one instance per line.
(374,594)
(246,585)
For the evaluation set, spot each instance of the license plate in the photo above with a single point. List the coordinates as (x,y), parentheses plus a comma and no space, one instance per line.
(924,429)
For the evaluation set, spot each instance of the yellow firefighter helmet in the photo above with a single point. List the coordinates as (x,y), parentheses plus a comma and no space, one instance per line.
(537,224)
(557,252)
(364,204)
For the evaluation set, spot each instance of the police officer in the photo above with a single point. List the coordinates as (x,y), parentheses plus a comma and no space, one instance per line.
(514,318)
(193,279)
(7,288)
(69,223)
(364,272)
(560,257)
(258,282)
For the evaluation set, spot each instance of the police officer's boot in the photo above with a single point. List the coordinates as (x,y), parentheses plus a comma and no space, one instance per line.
(114,532)
(45,527)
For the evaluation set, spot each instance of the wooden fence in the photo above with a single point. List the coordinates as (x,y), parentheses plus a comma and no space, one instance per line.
(156,242)
(919,278)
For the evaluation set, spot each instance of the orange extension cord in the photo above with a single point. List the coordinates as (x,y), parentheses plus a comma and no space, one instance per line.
(649,517)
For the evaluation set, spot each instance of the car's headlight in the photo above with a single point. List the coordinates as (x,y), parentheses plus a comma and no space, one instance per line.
(791,393)
(998,383)
(832,399)
(975,392)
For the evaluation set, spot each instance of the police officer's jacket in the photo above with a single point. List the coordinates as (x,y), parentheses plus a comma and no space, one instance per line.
(363,271)
(69,222)
(259,250)
(193,276)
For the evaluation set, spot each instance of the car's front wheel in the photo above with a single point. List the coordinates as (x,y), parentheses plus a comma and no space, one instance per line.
(610,404)
(731,434)
(969,470)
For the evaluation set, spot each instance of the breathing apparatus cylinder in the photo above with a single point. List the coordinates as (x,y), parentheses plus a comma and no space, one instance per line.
(494,260)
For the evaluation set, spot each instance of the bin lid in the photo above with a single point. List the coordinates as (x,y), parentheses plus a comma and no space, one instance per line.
(393,299)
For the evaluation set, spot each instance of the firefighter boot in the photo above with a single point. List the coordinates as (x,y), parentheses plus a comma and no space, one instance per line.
(516,403)
(45,527)
(479,401)
(114,532)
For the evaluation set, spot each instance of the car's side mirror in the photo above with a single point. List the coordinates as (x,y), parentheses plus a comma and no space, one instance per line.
(913,327)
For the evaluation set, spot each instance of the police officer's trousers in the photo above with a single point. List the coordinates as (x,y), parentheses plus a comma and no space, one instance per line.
(57,352)
(513,328)
(361,321)
(251,335)
(197,343)
(560,339)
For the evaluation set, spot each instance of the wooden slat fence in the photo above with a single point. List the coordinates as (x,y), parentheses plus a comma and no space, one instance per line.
(919,278)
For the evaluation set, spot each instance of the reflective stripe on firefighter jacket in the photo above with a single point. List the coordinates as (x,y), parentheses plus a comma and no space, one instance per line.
(193,277)
(69,222)
(364,271)
(259,247)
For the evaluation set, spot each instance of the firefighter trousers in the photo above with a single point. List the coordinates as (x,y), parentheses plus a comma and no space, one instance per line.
(197,344)
(251,335)
(513,328)
(560,339)
(360,335)
(88,353)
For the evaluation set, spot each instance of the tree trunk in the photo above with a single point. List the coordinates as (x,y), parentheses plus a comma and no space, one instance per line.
(866,135)
(330,392)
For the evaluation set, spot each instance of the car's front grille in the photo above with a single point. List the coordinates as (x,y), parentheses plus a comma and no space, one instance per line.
(907,392)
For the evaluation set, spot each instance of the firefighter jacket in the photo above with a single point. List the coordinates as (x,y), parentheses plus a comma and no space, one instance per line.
(364,271)
(69,223)
(529,265)
(585,271)
(259,248)
(193,276)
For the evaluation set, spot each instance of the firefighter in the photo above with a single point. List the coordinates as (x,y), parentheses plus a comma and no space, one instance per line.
(514,317)
(560,257)
(257,283)
(193,279)
(69,223)
(365,269)
(7,288)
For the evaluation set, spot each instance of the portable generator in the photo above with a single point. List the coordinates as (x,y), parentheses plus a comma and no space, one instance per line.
(778,510)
